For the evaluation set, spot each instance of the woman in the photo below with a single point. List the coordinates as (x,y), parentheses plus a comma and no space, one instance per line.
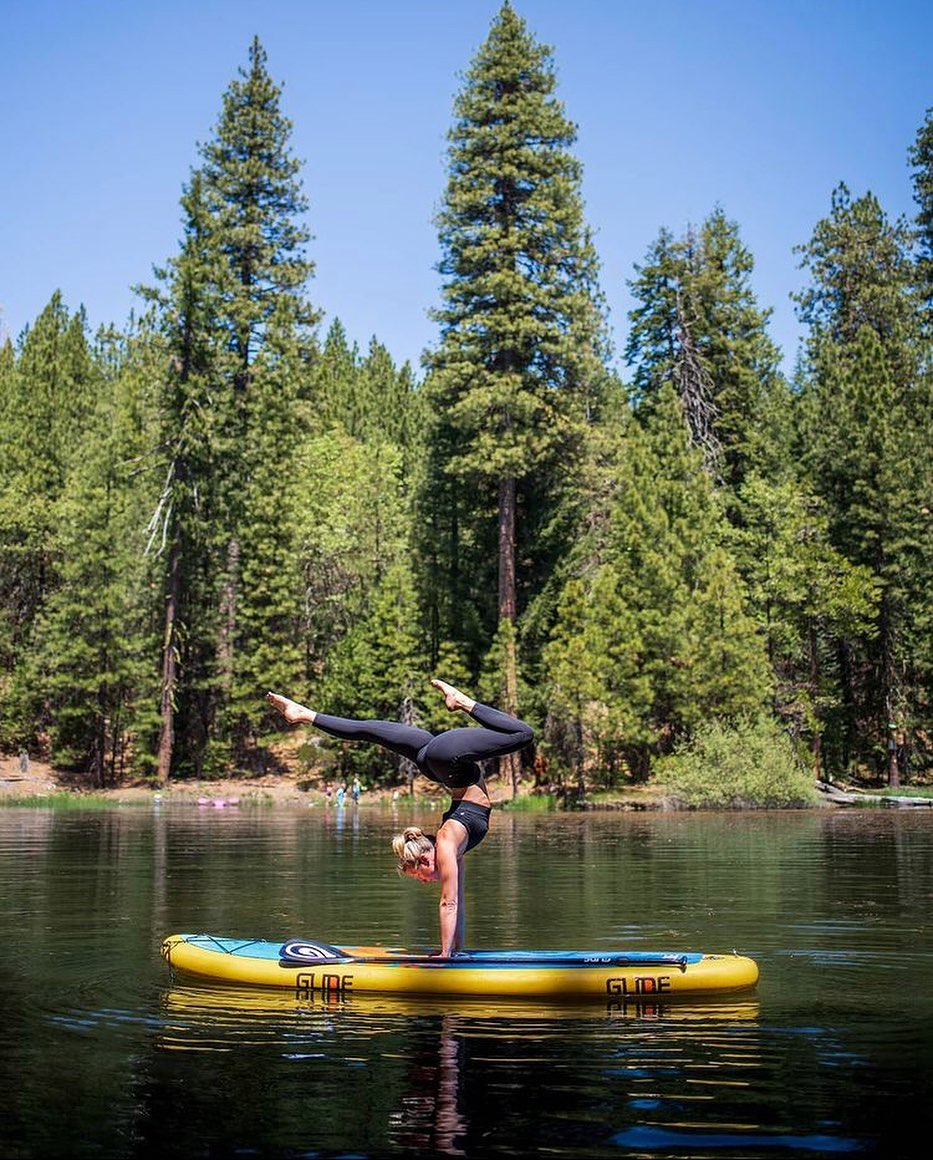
(450,759)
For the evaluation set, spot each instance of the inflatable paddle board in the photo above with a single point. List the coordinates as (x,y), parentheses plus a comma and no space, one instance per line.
(310,968)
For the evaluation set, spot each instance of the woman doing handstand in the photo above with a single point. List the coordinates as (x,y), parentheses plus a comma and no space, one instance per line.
(451,759)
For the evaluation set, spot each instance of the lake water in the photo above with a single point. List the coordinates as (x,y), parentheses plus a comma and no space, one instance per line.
(102,1054)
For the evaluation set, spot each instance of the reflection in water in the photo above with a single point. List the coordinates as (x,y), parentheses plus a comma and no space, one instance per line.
(431,1117)
(833,1052)
(452,1050)
(192,1012)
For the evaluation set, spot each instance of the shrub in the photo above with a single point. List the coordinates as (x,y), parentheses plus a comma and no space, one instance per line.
(740,765)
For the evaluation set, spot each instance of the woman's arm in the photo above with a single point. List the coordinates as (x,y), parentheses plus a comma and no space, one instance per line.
(451,910)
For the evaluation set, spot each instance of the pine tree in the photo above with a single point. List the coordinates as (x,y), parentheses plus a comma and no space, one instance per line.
(377,669)
(804,594)
(518,370)
(355,529)
(240,333)
(877,520)
(255,203)
(391,404)
(268,649)
(371,398)
(94,638)
(865,453)
(7,569)
(859,265)
(652,635)
(49,394)
(921,159)
(183,528)
(697,325)
(334,378)
(920,156)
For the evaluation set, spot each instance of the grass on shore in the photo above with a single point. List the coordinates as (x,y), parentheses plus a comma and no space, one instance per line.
(64,800)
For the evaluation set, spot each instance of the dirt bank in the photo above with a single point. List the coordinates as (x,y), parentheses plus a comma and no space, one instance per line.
(41,779)
(37,778)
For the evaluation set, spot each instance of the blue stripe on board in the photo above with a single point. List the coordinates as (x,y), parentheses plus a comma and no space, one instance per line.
(266,949)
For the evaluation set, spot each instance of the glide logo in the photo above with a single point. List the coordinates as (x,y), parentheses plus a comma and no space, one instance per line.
(307,983)
(640,985)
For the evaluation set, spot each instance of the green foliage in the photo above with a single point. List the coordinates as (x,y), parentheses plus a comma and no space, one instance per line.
(91,665)
(48,395)
(354,528)
(62,801)
(920,156)
(652,635)
(865,433)
(450,667)
(212,503)
(749,763)
(376,670)
(532,803)
(367,656)
(697,326)
(239,335)
(186,525)
(266,622)
(599,695)
(803,592)
(518,371)
(860,276)
(255,204)
(369,397)
(46,413)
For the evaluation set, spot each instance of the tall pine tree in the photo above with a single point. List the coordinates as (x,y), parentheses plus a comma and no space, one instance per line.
(652,635)
(49,394)
(697,325)
(517,373)
(239,331)
(920,156)
(95,637)
(865,452)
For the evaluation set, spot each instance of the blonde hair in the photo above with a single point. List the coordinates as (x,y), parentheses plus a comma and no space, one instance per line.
(408,846)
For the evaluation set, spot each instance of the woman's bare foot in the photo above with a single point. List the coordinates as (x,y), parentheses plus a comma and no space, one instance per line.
(453,698)
(293,713)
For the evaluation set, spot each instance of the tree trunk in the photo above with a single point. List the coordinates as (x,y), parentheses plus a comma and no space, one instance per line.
(228,615)
(888,682)
(169,655)
(816,746)
(509,766)
(894,769)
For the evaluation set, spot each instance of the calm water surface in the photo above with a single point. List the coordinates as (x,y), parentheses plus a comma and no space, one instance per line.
(102,1054)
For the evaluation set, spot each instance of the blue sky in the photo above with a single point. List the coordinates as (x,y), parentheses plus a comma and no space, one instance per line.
(761,107)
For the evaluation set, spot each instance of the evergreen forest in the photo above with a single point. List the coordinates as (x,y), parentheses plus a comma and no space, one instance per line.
(627,548)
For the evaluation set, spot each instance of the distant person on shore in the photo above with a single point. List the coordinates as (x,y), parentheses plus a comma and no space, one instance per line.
(450,759)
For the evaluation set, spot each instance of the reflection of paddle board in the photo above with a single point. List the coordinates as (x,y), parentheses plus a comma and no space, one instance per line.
(310,968)
(207,1017)
(204,1003)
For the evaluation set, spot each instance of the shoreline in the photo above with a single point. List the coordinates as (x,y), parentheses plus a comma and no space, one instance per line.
(42,780)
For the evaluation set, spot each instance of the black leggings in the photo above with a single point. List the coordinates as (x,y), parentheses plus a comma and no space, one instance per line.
(448,758)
